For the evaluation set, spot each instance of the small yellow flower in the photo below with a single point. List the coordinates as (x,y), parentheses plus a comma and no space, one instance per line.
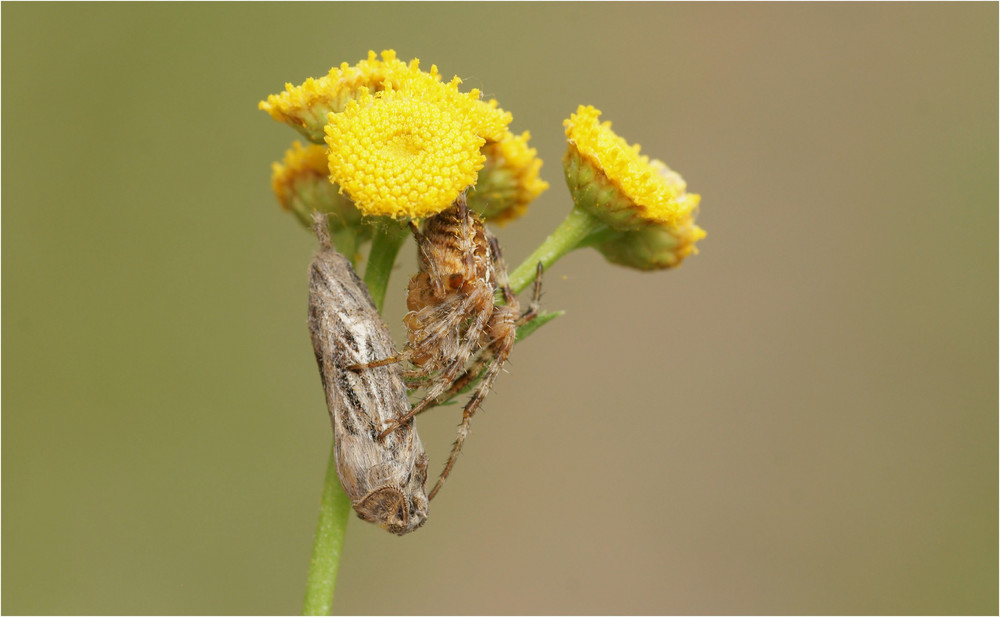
(509,181)
(302,185)
(490,121)
(610,179)
(644,203)
(306,107)
(407,152)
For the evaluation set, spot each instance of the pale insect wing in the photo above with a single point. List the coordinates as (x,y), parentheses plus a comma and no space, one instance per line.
(384,478)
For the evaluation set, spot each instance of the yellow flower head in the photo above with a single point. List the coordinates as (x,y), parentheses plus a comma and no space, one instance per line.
(302,185)
(410,152)
(490,121)
(509,181)
(306,107)
(611,180)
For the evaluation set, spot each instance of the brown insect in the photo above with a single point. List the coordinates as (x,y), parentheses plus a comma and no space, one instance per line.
(454,317)
(383,474)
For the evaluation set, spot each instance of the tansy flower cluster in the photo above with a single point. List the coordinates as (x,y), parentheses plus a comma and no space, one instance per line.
(392,141)
(400,142)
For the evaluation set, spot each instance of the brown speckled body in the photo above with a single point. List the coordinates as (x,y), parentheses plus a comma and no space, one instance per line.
(451,298)
(453,317)
(384,476)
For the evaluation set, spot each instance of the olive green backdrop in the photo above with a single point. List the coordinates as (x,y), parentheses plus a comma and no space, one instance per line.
(801,419)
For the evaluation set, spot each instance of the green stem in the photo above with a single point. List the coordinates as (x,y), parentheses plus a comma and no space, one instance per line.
(346,241)
(573,232)
(389,238)
(335,509)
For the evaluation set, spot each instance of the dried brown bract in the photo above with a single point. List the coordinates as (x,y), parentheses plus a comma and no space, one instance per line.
(453,316)
(384,475)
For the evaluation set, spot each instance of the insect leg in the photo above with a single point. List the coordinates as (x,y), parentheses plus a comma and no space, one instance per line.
(536,300)
(470,375)
(450,373)
(384,361)
(463,430)
(500,267)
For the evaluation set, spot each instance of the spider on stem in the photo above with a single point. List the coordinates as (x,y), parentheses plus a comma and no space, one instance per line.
(454,317)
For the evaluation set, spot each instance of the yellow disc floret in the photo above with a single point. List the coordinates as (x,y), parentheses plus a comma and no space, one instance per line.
(509,181)
(639,193)
(403,154)
(306,106)
(484,118)
(491,121)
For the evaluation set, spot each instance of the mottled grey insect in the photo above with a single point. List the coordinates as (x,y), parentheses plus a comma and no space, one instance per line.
(384,475)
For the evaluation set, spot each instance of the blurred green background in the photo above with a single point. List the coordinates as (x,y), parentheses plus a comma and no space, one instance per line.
(801,419)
